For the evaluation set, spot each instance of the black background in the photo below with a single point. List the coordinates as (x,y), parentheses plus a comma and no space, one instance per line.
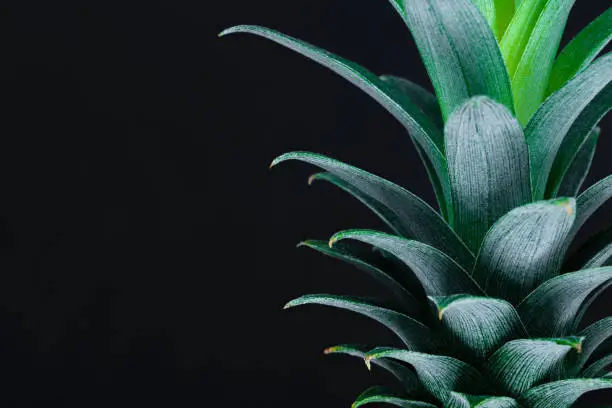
(147,250)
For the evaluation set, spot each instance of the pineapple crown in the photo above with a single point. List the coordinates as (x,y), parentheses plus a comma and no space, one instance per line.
(482,291)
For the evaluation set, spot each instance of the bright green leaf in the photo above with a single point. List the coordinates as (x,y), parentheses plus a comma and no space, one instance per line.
(498,13)
(488,165)
(520,364)
(581,51)
(565,119)
(562,394)
(478,324)
(459,51)
(413,333)
(408,214)
(439,274)
(557,307)
(524,248)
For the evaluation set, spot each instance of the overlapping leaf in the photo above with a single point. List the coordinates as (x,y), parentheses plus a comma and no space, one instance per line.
(439,274)
(564,120)
(459,51)
(600,368)
(412,332)
(478,324)
(488,165)
(595,335)
(380,395)
(459,400)
(557,307)
(405,212)
(577,171)
(520,364)
(524,248)
(498,13)
(562,394)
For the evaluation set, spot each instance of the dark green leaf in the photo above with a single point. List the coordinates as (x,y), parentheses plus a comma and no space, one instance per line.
(591,200)
(488,165)
(595,335)
(408,214)
(406,377)
(520,364)
(524,248)
(380,395)
(600,368)
(459,50)
(581,51)
(439,375)
(459,400)
(577,171)
(413,333)
(564,120)
(414,120)
(562,394)
(557,307)
(596,252)
(479,324)
(439,274)
(537,48)
(360,260)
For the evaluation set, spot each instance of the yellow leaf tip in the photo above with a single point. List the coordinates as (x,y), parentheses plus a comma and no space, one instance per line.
(330,350)
(311,179)
(368,363)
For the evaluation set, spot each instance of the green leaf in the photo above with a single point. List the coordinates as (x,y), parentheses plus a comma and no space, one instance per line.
(459,51)
(479,324)
(406,377)
(408,114)
(530,60)
(596,252)
(520,364)
(557,307)
(488,165)
(412,332)
(565,119)
(459,400)
(524,248)
(591,200)
(409,215)
(425,100)
(562,394)
(600,368)
(362,261)
(579,168)
(439,274)
(595,336)
(380,395)
(439,375)
(498,13)
(581,51)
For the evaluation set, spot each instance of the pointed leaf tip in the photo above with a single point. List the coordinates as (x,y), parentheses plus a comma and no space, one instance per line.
(368,362)
(312,178)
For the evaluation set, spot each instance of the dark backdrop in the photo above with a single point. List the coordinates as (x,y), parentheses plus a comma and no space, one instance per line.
(146,249)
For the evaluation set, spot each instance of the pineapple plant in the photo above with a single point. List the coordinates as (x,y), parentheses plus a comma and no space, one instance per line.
(483,292)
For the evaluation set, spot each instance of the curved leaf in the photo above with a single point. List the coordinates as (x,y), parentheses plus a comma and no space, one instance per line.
(459,400)
(413,333)
(408,214)
(360,260)
(479,324)
(439,274)
(520,364)
(380,395)
(524,248)
(557,306)
(562,394)
(532,72)
(498,13)
(488,165)
(414,120)
(591,200)
(439,375)
(403,374)
(425,100)
(595,335)
(581,51)
(596,252)
(564,120)
(600,368)
(459,51)
(579,168)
